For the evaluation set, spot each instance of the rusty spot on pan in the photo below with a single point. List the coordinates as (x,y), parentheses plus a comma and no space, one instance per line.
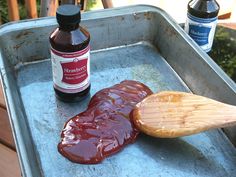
(148,15)
(23,33)
(35,57)
(17,46)
(171,32)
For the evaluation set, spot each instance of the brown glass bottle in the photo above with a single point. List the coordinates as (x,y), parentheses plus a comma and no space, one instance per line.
(69,39)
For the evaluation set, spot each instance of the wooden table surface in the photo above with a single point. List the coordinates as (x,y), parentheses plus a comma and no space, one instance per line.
(9,164)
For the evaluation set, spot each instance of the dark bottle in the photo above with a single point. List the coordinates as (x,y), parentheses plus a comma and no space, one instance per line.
(70,55)
(201,22)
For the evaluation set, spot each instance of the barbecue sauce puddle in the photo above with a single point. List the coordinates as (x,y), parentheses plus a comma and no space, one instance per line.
(104,128)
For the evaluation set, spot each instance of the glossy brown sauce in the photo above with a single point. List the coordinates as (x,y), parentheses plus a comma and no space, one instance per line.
(104,128)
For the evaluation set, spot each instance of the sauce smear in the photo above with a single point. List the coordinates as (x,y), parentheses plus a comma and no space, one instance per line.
(104,128)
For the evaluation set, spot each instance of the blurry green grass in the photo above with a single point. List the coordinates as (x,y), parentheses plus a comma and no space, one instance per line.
(224,50)
(91,4)
(3,11)
(22,10)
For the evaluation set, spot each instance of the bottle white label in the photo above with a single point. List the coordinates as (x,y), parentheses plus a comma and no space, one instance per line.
(71,71)
(201,30)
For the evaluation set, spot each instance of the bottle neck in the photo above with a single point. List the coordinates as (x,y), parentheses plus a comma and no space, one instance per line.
(70,27)
(203,8)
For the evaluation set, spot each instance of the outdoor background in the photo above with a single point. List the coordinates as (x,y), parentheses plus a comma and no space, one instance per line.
(224,47)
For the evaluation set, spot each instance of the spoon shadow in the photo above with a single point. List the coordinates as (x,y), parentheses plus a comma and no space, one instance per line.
(178,154)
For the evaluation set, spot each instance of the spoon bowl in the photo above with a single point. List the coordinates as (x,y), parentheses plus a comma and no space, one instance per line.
(172,114)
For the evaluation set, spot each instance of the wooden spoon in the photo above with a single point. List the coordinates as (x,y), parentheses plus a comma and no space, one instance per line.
(172,114)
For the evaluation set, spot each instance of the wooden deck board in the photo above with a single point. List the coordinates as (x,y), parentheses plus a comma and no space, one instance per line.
(9,166)
(6,137)
(2,101)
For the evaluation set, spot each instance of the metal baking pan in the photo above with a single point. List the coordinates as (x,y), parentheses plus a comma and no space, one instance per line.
(139,42)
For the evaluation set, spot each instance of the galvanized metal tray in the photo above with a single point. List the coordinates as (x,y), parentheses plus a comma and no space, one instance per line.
(138,42)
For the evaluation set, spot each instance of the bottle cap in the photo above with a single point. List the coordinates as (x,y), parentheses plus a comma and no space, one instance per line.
(68,14)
